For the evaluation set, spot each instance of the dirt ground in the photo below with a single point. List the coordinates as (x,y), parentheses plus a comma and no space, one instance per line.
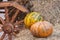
(50,10)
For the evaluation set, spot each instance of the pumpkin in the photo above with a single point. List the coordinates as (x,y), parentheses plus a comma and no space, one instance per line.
(31,18)
(42,29)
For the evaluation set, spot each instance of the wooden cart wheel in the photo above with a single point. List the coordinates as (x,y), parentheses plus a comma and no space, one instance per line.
(8,26)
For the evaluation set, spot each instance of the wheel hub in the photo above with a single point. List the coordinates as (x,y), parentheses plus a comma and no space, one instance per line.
(8,28)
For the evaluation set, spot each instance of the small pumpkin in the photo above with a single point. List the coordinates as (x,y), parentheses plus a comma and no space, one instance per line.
(42,29)
(31,18)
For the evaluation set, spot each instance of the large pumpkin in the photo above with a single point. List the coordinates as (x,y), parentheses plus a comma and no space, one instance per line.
(42,29)
(31,18)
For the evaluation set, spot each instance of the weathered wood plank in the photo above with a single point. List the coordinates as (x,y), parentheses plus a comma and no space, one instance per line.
(14,4)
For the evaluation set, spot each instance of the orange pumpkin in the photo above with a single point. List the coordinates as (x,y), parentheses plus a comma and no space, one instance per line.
(42,29)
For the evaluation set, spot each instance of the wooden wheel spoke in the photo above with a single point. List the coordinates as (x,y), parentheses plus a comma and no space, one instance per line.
(2,37)
(18,22)
(2,20)
(10,36)
(6,14)
(1,27)
(14,34)
(11,10)
(0,30)
(14,16)
(20,7)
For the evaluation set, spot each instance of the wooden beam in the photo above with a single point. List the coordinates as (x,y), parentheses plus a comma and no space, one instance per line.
(19,7)
(5,4)
(14,4)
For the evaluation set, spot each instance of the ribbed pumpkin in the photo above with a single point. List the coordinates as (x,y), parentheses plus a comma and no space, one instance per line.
(31,18)
(42,29)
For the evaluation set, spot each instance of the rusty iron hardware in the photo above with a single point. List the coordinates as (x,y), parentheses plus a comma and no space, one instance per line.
(9,26)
